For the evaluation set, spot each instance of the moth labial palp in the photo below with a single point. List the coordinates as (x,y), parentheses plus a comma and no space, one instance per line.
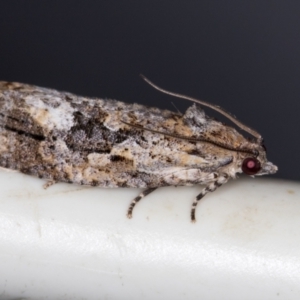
(62,137)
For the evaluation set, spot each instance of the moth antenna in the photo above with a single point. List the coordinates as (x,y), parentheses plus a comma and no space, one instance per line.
(176,107)
(212,106)
(181,137)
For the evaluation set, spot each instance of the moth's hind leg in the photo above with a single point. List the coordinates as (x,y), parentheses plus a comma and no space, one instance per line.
(49,183)
(209,188)
(137,199)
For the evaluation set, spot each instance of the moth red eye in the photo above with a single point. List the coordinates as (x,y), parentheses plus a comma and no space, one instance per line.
(251,166)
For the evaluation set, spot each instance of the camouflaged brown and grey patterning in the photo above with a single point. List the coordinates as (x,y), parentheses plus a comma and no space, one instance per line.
(62,137)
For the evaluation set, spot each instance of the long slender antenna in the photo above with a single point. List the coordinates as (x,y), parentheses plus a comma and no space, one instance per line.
(212,106)
(181,137)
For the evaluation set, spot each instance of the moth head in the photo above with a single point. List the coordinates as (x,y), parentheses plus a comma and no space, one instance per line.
(254,160)
(258,165)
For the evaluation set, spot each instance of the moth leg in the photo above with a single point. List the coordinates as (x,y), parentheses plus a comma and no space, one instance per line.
(48,184)
(137,199)
(209,188)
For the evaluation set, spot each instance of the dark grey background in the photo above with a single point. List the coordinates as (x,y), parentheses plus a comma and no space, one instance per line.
(242,55)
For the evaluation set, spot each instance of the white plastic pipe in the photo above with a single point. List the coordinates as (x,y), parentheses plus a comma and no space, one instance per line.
(73,242)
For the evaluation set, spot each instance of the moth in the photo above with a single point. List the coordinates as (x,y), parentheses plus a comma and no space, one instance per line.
(62,137)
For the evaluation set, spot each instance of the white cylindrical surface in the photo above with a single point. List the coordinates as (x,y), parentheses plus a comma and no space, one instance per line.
(73,242)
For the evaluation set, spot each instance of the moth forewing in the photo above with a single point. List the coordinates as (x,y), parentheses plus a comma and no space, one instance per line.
(67,138)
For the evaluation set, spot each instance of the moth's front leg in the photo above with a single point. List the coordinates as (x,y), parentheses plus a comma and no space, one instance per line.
(137,199)
(223,178)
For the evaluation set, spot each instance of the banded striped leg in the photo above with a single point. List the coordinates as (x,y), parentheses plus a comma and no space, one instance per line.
(210,188)
(49,183)
(137,199)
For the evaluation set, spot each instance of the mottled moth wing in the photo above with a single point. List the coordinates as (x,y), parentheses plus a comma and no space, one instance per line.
(64,137)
